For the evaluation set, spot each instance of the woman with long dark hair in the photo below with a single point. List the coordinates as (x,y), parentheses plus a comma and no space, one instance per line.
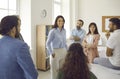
(56,45)
(75,65)
(90,42)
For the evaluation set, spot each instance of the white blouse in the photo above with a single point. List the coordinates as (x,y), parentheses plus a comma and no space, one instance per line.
(90,39)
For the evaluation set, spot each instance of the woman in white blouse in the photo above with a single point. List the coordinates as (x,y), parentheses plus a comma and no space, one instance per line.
(90,42)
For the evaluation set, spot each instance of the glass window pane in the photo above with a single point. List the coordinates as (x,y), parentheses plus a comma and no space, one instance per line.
(4,4)
(3,13)
(57,0)
(12,12)
(12,4)
(57,10)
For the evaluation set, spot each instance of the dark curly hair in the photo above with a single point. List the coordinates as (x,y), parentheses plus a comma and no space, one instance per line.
(75,66)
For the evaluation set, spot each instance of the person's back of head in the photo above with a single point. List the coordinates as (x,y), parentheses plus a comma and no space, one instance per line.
(75,66)
(7,23)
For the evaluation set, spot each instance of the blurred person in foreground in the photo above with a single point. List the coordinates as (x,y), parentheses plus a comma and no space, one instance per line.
(75,65)
(15,58)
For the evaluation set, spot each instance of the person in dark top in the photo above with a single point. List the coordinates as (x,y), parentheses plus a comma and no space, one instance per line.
(75,65)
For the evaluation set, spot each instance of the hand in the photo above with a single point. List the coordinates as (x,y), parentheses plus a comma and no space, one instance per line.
(88,45)
(71,38)
(53,55)
(76,38)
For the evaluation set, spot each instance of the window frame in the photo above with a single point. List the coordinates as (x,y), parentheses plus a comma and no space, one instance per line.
(17,11)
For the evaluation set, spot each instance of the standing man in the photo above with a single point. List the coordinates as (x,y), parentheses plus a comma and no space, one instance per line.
(78,33)
(15,58)
(113,47)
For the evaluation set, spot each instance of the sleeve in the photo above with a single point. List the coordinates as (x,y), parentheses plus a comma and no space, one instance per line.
(49,40)
(72,32)
(111,42)
(25,61)
(65,41)
(83,35)
(84,43)
(95,42)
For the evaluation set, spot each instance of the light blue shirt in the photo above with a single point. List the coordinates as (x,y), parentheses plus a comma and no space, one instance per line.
(80,33)
(56,39)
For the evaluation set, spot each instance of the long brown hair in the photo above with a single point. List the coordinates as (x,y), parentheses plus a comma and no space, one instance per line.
(96,30)
(75,66)
(55,24)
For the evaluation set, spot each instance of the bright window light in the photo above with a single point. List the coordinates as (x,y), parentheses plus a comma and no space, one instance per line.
(8,7)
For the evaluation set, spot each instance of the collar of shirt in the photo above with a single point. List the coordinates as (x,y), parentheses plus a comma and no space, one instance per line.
(79,29)
(59,29)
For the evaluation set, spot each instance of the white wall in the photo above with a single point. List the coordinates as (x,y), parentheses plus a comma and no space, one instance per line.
(30,13)
(93,10)
(74,12)
(66,14)
(25,15)
(36,7)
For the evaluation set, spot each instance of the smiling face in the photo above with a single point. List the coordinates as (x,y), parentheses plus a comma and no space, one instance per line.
(60,22)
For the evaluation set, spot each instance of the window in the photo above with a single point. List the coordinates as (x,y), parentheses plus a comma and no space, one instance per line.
(8,7)
(57,8)
(62,7)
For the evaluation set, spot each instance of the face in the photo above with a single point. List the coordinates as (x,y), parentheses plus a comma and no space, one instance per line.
(79,24)
(60,22)
(111,27)
(92,28)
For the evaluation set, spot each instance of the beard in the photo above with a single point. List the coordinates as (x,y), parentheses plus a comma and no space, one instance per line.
(78,27)
(17,35)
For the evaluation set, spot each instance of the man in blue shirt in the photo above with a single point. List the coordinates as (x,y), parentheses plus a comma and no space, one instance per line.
(78,33)
(15,58)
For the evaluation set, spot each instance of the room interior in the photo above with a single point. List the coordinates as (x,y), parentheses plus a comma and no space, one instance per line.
(35,13)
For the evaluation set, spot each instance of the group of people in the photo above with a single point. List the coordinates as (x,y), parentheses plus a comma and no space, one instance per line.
(72,62)
(89,41)
(82,51)
(65,63)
